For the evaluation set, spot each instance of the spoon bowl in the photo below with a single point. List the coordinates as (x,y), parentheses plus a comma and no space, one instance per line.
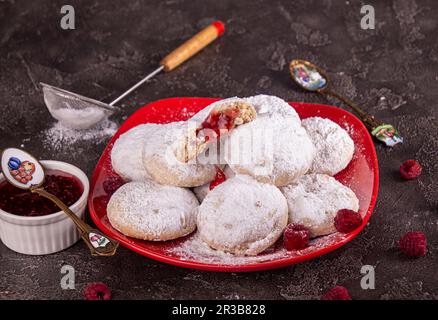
(308,76)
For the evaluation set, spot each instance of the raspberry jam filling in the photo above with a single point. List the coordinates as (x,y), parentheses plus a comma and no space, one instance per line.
(20,202)
(219,121)
(218,179)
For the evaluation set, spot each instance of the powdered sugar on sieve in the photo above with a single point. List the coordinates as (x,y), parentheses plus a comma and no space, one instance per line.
(194,249)
(60,136)
(78,118)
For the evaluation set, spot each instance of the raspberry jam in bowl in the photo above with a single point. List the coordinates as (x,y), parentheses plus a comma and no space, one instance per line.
(31,224)
(21,202)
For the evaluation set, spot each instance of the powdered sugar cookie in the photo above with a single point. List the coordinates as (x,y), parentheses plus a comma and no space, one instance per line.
(202,191)
(274,108)
(242,216)
(334,146)
(127,153)
(150,211)
(277,152)
(164,167)
(315,199)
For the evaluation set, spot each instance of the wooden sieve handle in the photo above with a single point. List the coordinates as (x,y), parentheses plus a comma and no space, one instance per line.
(192,46)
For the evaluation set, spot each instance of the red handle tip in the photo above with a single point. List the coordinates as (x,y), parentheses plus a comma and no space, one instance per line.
(219,25)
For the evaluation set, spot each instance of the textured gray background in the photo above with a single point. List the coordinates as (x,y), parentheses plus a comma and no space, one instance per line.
(116,42)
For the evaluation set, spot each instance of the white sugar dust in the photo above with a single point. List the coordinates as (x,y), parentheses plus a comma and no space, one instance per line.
(62,137)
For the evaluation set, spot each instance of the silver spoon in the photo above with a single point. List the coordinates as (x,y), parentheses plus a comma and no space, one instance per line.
(33,180)
(311,78)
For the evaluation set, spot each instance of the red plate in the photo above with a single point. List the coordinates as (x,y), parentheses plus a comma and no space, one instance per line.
(361,175)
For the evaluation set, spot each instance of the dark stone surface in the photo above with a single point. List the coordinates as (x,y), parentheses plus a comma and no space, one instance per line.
(391,71)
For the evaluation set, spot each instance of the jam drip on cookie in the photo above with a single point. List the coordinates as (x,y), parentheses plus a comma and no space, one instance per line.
(221,120)
(218,178)
(224,118)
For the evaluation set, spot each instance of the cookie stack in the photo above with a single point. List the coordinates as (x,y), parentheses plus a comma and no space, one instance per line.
(278,170)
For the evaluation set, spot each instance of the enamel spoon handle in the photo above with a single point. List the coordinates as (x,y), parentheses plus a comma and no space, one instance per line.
(368,119)
(98,243)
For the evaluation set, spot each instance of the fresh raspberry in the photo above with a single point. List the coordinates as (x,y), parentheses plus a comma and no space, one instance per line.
(218,179)
(111,184)
(410,169)
(97,291)
(296,237)
(337,293)
(347,220)
(413,244)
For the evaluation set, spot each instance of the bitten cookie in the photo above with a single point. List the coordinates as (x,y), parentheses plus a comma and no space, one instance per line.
(150,211)
(264,105)
(162,164)
(127,153)
(334,147)
(242,216)
(314,200)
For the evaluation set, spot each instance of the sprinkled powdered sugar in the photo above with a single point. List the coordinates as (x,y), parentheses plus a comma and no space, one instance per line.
(150,211)
(334,146)
(61,137)
(314,201)
(194,249)
(242,216)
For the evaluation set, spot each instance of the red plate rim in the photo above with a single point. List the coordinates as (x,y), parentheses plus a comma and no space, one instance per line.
(265,265)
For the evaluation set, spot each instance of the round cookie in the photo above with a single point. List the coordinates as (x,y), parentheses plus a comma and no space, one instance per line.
(202,191)
(150,211)
(314,200)
(162,164)
(127,153)
(334,147)
(274,108)
(277,152)
(242,216)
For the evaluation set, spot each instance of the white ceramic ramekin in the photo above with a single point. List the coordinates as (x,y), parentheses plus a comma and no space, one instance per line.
(45,234)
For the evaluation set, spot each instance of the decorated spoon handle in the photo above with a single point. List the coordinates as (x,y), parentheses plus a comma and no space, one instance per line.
(383,132)
(368,119)
(98,243)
